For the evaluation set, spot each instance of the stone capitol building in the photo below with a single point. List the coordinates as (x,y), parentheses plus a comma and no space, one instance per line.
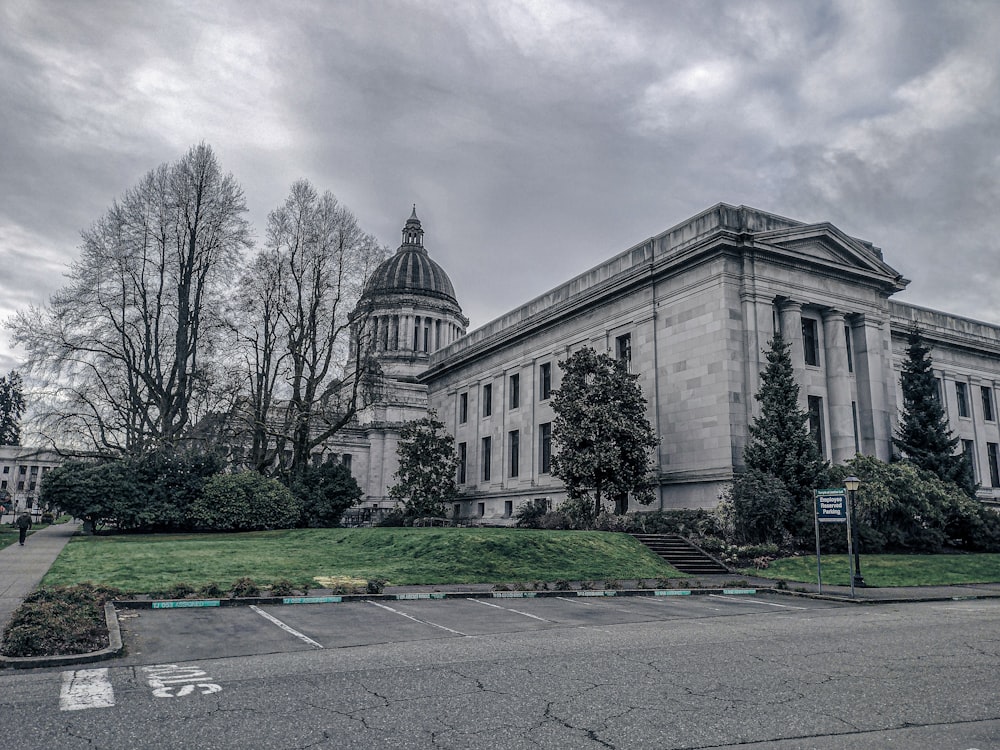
(691,311)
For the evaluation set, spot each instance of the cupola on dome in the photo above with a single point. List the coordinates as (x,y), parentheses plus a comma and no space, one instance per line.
(411,270)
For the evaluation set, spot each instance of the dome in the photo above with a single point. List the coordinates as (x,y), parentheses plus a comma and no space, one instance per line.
(411,270)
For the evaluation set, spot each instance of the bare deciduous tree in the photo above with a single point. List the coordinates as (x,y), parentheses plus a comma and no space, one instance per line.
(121,352)
(304,380)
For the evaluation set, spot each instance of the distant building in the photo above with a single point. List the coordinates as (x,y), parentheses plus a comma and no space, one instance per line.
(691,310)
(21,472)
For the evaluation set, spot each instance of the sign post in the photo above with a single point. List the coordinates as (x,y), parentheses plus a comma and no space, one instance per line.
(830,507)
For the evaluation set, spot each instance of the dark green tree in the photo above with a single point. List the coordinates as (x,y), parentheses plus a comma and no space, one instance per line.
(11,408)
(780,443)
(428,465)
(325,492)
(601,436)
(923,436)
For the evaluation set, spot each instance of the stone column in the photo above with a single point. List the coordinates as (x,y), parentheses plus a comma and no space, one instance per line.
(838,387)
(791,331)
(872,367)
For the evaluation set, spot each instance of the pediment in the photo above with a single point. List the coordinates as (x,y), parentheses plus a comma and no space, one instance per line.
(827,245)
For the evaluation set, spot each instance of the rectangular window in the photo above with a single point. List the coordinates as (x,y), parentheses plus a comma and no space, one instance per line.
(20,486)
(22,470)
(850,349)
(623,350)
(545,381)
(463,457)
(481,509)
(514,446)
(345,459)
(508,508)
(993,452)
(987,393)
(816,422)
(3,484)
(34,471)
(969,449)
(810,341)
(515,391)
(854,422)
(487,400)
(6,470)
(463,408)
(545,447)
(487,457)
(962,397)
(937,390)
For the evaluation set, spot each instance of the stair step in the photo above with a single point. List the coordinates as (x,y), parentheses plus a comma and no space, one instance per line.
(681,554)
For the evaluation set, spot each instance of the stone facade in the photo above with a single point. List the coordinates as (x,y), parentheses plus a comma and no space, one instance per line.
(693,309)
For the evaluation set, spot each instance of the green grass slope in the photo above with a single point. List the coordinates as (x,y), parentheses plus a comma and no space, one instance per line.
(144,563)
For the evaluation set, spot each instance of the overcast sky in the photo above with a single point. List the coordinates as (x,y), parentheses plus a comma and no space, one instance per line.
(537,139)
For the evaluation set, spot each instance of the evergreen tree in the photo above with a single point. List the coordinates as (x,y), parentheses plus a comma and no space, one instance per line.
(780,443)
(923,436)
(601,434)
(428,464)
(11,408)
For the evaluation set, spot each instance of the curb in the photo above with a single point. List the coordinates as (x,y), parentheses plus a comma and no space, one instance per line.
(113,649)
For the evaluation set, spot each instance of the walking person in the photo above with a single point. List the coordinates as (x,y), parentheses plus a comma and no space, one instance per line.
(23,524)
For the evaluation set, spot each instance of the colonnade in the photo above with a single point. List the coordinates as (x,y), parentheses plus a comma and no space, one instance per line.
(411,332)
(854,348)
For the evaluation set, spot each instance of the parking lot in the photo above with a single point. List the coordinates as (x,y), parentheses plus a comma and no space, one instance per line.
(208,632)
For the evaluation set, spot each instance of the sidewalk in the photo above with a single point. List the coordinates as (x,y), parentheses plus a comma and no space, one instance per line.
(22,568)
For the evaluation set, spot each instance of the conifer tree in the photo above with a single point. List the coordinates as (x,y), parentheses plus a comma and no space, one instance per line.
(780,443)
(923,436)
(11,408)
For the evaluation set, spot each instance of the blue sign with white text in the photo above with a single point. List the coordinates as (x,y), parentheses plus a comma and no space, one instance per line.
(831,506)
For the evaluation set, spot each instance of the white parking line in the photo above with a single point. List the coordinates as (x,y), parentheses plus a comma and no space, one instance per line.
(746,600)
(411,617)
(286,628)
(86,688)
(508,609)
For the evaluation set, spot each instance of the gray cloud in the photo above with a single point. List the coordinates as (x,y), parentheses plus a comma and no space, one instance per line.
(536,138)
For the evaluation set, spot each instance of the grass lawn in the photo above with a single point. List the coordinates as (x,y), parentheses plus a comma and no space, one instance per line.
(145,563)
(890,570)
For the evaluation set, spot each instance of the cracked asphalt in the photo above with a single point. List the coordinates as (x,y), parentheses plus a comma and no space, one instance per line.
(691,672)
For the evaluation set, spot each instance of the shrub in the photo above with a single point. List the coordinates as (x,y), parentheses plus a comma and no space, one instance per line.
(902,508)
(375,585)
(244,587)
(690,523)
(59,620)
(758,508)
(530,514)
(282,587)
(211,590)
(325,492)
(246,501)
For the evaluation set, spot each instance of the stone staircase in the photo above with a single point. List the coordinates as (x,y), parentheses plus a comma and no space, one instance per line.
(682,554)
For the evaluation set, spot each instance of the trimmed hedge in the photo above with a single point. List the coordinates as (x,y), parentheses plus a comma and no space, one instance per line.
(244,502)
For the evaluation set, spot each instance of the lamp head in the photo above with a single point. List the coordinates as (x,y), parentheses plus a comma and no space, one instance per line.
(851,483)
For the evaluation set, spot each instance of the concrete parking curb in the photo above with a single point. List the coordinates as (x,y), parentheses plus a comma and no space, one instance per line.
(113,649)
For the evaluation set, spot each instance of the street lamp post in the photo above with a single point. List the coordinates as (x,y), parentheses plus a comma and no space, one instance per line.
(851,484)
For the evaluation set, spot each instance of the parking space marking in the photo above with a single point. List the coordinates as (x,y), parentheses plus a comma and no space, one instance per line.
(286,628)
(576,601)
(415,619)
(745,600)
(508,609)
(86,688)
